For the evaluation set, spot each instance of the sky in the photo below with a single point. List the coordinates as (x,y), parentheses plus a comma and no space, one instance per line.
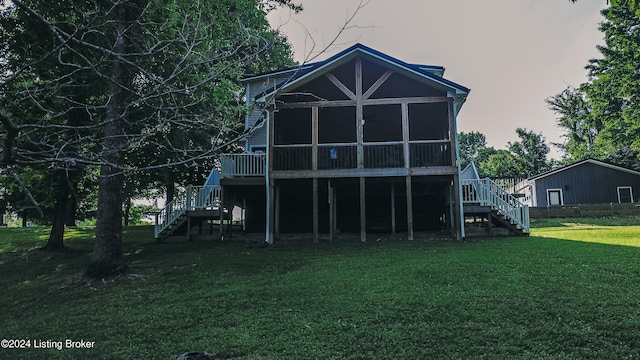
(512,54)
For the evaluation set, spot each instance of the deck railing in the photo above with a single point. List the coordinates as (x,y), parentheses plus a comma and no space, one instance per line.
(430,153)
(376,155)
(380,155)
(243,165)
(486,192)
(194,198)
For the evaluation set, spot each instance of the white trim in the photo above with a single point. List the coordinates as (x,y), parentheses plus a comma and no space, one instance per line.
(630,193)
(348,56)
(549,198)
(592,161)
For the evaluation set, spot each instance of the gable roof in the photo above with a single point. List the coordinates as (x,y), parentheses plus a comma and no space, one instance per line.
(470,172)
(579,163)
(307,72)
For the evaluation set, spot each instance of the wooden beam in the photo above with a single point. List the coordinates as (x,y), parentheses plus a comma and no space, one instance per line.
(406,135)
(452,134)
(393,210)
(340,86)
(277,212)
(408,100)
(409,208)
(315,210)
(332,224)
(320,104)
(377,84)
(314,138)
(221,210)
(345,103)
(363,211)
(354,173)
(458,216)
(359,113)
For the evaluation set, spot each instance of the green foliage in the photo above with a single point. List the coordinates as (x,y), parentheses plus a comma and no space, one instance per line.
(470,145)
(602,117)
(568,291)
(523,158)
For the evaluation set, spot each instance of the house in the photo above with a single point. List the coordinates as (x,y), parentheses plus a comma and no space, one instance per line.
(361,142)
(586,182)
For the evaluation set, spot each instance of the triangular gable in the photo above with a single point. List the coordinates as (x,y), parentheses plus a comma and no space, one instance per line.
(591,161)
(308,72)
(470,172)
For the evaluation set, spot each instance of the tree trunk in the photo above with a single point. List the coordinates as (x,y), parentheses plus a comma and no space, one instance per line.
(70,211)
(24,218)
(56,236)
(127,209)
(107,258)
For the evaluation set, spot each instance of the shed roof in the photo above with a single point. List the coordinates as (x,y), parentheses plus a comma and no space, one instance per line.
(306,72)
(579,163)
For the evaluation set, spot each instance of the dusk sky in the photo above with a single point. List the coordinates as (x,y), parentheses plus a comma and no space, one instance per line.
(512,54)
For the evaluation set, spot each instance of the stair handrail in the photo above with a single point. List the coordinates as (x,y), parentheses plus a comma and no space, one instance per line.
(194,198)
(486,192)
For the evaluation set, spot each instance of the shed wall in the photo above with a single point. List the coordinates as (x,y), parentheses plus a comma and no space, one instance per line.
(587,184)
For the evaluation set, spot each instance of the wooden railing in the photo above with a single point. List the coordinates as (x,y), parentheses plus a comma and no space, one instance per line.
(243,165)
(376,155)
(380,155)
(430,153)
(485,192)
(337,156)
(194,198)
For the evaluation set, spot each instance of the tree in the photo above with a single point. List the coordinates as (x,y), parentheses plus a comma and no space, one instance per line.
(523,158)
(614,85)
(470,145)
(602,117)
(150,67)
(575,118)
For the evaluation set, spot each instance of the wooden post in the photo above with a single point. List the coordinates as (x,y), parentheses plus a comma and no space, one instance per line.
(268,183)
(405,135)
(315,210)
(221,209)
(458,212)
(359,113)
(393,210)
(409,208)
(332,223)
(243,215)
(270,212)
(314,138)
(277,212)
(363,211)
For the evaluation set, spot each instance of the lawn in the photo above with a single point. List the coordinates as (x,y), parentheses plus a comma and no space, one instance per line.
(571,290)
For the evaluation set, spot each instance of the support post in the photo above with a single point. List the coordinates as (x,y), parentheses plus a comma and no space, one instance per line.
(221,210)
(393,210)
(276,212)
(332,210)
(315,210)
(409,208)
(363,211)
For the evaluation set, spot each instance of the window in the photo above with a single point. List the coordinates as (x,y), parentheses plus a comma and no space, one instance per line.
(625,194)
(554,197)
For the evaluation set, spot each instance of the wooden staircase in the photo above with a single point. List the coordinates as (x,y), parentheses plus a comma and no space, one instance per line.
(486,199)
(196,204)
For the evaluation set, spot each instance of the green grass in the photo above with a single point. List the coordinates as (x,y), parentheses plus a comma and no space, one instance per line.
(570,291)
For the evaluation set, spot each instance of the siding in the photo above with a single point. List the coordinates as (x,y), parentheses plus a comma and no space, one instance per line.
(587,184)
(255,88)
